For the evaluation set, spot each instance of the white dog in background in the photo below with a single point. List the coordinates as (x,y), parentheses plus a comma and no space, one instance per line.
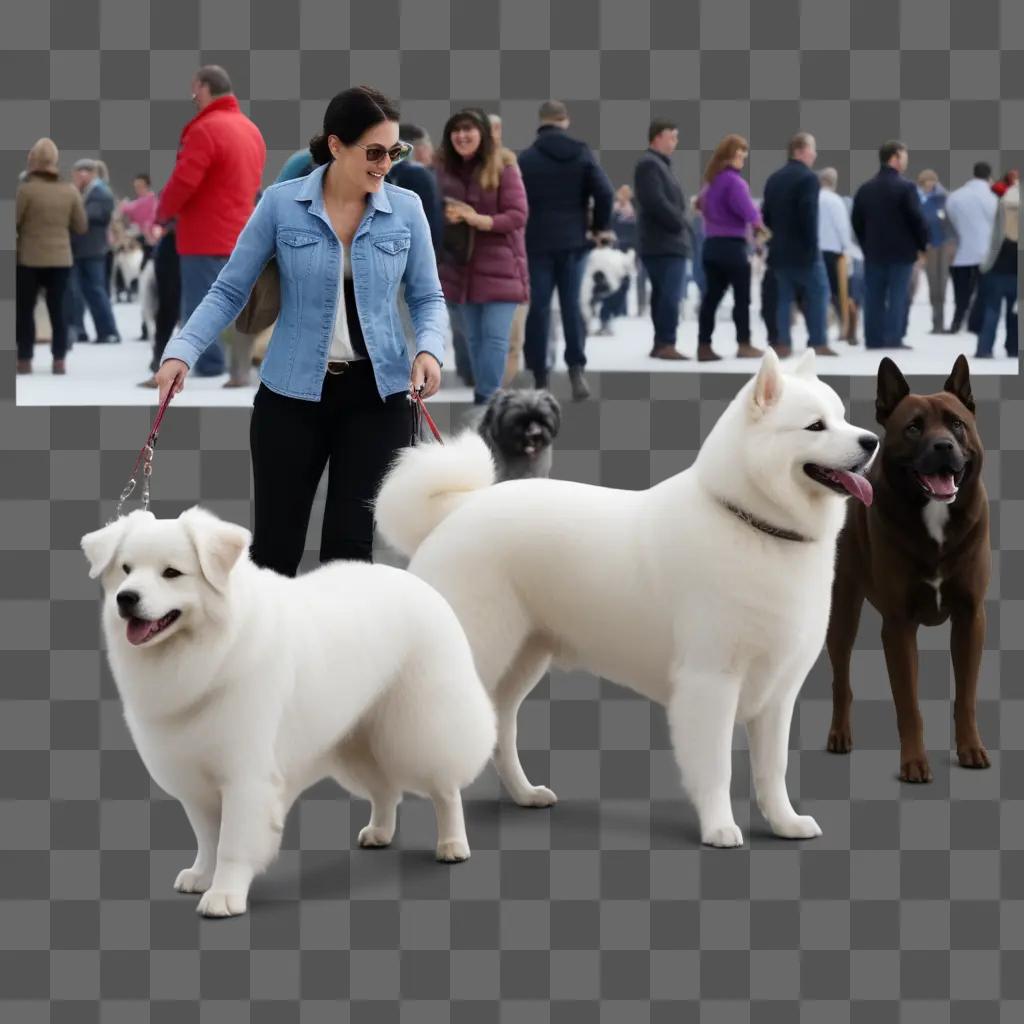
(605,270)
(241,688)
(708,593)
(149,298)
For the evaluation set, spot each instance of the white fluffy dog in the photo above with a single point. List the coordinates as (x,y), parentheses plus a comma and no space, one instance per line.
(606,267)
(242,688)
(708,593)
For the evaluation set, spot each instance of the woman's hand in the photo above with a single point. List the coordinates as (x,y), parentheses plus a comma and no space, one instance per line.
(425,376)
(171,374)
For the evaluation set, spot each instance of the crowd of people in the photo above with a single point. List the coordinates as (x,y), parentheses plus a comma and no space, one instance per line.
(509,231)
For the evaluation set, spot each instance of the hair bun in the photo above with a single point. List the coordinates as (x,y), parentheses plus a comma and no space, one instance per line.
(319,150)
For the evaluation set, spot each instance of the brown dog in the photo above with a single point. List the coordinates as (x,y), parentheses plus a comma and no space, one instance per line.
(920,554)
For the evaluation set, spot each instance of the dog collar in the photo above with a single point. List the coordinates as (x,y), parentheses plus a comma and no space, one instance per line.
(760,524)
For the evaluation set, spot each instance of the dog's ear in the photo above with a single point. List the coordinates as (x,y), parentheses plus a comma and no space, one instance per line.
(101,546)
(219,545)
(805,366)
(767,383)
(959,382)
(555,411)
(892,389)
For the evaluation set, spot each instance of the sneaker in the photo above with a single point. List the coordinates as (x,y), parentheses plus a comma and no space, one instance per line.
(578,384)
(706,354)
(748,351)
(669,352)
(604,331)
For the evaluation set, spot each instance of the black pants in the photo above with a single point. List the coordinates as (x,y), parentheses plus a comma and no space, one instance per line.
(167,269)
(350,431)
(965,290)
(832,272)
(54,282)
(725,266)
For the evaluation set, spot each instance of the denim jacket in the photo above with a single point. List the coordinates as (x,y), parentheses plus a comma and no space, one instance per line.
(391,245)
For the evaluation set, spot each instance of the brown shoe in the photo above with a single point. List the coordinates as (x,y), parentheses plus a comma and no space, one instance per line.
(667,352)
(824,350)
(748,351)
(706,354)
(783,351)
(232,383)
(150,383)
(24,366)
(59,369)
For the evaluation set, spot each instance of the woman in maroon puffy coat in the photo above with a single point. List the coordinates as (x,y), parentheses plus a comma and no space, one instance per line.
(483,189)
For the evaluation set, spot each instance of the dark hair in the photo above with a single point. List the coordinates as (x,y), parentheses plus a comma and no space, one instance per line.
(658,126)
(143,177)
(450,160)
(889,149)
(216,78)
(982,170)
(411,132)
(348,116)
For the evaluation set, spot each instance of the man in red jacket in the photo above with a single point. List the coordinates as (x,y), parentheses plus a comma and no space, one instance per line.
(211,192)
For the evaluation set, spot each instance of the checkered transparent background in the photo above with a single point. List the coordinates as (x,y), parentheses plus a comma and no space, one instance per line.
(909,908)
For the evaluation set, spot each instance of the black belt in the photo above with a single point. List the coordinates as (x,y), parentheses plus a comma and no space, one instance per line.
(336,367)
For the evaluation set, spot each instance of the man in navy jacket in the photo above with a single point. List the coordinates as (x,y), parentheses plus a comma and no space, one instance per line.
(790,212)
(892,232)
(562,178)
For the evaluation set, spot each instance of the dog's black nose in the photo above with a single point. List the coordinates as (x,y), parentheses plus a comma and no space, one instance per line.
(942,446)
(127,600)
(868,442)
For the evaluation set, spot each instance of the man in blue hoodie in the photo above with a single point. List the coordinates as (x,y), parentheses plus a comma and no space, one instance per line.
(562,179)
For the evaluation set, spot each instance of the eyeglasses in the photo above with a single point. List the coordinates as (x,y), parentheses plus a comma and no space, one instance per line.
(374,154)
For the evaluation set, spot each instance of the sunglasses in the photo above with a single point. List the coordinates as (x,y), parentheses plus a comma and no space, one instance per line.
(374,154)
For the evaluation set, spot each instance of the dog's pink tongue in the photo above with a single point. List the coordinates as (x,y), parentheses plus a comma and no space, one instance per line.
(856,485)
(940,484)
(140,630)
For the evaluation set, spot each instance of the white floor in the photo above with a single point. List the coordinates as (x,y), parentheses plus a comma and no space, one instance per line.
(109,374)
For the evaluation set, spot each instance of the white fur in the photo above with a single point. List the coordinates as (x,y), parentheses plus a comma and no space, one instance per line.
(936,516)
(615,264)
(265,685)
(148,297)
(663,590)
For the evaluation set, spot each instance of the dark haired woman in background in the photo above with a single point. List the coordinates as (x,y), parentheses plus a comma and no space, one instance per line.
(336,376)
(482,187)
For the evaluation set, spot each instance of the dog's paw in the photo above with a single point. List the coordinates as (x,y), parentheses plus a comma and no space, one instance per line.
(840,740)
(723,836)
(374,837)
(915,769)
(799,826)
(192,881)
(451,851)
(217,903)
(974,756)
(537,796)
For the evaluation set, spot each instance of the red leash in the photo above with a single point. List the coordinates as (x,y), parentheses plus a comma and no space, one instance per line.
(421,407)
(145,459)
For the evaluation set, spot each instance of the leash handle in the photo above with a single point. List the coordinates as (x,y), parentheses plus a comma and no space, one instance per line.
(145,459)
(421,408)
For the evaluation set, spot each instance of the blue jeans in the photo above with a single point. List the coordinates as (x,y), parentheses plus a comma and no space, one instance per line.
(548,271)
(668,280)
(993,290)
(886,297)
(91,289)
(812,282)
(197,276)
(486,326)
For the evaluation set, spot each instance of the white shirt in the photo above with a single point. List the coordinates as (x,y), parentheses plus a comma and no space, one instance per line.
(971,210)
(341,343)
(834,231)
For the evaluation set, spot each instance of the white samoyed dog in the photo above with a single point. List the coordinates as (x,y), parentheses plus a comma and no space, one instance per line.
(708,593)
(242,688)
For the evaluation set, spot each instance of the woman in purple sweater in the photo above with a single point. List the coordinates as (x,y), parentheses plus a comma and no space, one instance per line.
(729,216)
(482,187)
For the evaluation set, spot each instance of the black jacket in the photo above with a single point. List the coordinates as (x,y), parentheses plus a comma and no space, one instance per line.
(790,211)
(662,227)
(887,219)
(423,182)
(561,177)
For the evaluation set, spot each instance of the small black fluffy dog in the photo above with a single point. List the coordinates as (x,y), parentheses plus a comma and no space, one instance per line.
(520,427)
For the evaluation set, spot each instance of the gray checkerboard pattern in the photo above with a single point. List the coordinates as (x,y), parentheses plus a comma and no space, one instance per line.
(909,909)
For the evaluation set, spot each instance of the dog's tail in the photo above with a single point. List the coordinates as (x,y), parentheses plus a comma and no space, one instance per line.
(427,483)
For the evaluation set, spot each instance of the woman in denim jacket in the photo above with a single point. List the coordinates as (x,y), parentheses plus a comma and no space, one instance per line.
(336,377)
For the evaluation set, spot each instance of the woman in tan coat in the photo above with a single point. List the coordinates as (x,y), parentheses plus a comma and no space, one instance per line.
(47,211)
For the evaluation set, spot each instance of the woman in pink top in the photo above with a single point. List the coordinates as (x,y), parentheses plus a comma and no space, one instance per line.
(141,211)
(729,215)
